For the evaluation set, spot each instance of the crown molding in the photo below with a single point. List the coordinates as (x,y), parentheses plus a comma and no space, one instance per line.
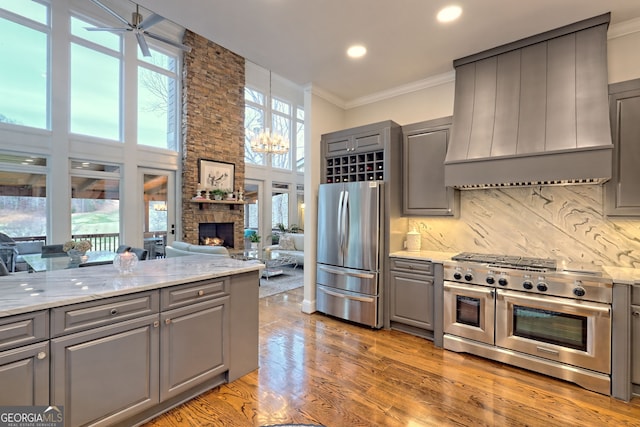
(327,96)
(623,28)
(429,82)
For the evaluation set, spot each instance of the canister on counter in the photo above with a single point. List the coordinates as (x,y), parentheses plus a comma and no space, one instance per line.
(413,241)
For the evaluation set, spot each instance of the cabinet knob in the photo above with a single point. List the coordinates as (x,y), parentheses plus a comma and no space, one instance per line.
(114,311)
(635,313)
(41,355)
(167,321)
(200,292)
(156,324)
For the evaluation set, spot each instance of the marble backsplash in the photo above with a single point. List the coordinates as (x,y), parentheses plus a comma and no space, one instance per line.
(560,222)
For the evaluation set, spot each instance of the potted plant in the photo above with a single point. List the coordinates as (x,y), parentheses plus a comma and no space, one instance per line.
(255,239)
(229,193)
(218,193)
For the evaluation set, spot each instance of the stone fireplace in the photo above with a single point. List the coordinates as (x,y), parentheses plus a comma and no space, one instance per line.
(213,129)
(210,231)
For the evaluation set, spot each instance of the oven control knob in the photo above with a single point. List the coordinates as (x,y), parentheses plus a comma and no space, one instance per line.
(457,275)
(542,287)
(468,277)
(491,280)
(579,292)
(527,285)
(503,281)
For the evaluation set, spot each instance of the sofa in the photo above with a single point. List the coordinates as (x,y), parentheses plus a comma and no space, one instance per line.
(177,249)
(289,244)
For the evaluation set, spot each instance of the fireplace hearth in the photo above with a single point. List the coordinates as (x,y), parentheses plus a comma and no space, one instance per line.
(216,234)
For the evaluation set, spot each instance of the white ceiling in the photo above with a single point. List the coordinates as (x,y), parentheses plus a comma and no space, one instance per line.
(305,40)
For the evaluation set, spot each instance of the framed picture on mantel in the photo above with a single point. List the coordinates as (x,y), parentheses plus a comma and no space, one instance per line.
(216,174)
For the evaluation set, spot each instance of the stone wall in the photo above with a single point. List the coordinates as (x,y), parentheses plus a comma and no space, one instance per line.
(212,128)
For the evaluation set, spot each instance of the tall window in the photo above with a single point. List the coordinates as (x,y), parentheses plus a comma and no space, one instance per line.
(95,82)
(24,31)
(158,100)
(23,195)
(95,198)
(254,112)
(279,205)
(300,139)
(283,117)
(281,124)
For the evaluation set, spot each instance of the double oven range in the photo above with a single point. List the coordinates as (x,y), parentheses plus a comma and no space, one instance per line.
(533,313)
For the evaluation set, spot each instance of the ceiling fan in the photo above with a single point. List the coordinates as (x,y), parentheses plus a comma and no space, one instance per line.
(139,26)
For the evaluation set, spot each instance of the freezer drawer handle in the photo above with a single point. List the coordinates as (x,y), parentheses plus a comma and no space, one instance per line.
(335,294)
(342,273)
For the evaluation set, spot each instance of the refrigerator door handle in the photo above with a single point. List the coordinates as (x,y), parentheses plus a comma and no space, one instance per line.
(344,273)
(340,225)
(345,222)
(351,297)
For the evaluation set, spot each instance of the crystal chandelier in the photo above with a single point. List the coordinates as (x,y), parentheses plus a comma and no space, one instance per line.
(269,142)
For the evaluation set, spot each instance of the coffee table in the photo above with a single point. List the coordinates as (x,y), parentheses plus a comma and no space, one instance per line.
(37,263)
(272,260)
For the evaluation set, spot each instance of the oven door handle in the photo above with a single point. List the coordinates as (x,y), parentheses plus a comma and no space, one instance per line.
(601,309)
(476,289)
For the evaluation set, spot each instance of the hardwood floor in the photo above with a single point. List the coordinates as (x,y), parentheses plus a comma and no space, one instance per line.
(315,369)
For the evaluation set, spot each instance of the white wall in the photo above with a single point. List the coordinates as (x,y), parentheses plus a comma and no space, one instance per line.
(324,117)
(425,104)
(624,56)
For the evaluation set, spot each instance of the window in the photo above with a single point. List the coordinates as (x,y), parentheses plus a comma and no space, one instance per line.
(25,31)
(158,100)
(254,111)
(281,124)
(23,195)
(95,200)
(279,205)
(300,139)
(95,82)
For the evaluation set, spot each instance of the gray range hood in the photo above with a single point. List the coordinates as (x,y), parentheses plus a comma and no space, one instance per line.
(534,112)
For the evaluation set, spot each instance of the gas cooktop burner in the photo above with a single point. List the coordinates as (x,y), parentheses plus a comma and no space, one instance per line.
(518,262)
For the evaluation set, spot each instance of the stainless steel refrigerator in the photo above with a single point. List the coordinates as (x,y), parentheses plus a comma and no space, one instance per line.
(350,248)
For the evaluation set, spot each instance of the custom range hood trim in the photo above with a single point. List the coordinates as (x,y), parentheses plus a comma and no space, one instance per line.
(533,112)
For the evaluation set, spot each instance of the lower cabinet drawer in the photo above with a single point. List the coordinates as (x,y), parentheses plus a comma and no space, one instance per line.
(88,315)
(22,329)
(411,265)
(182,295)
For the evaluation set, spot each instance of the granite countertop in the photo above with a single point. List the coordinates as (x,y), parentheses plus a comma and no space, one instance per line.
(620,275)
(27,292)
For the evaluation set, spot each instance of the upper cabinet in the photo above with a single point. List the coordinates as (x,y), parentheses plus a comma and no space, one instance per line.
(622,192)
(424,149)
(360,154)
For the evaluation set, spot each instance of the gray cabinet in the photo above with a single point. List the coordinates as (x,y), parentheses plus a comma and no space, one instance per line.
(411,299)
(424,149)
(359,154)
(24,359)
(194,345)
(105,375)
(622,192)
(105,358)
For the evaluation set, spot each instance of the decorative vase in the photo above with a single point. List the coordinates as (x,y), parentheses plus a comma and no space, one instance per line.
(125,262)
(75,255)
(254,245)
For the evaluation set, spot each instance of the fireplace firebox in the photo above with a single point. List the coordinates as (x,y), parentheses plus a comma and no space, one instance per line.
(216,234)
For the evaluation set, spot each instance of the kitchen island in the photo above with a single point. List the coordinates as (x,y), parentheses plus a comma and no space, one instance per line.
(114,349)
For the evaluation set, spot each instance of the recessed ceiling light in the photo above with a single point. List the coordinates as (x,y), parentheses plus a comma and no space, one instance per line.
(356,51)
(449,13)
